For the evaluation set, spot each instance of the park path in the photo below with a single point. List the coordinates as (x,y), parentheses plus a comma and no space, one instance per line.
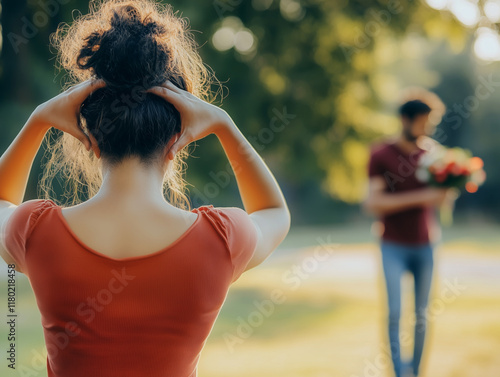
(363,261)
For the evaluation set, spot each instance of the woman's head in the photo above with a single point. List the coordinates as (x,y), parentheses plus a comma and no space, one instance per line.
(132,46)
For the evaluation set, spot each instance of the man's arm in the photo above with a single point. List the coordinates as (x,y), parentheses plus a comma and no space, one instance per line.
(379,202)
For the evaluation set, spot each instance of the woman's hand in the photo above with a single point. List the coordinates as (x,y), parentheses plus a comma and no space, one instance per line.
(62,111)
(260,193)
(198,118)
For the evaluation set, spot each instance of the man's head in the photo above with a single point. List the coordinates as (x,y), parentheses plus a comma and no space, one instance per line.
(421,111)
(415,119)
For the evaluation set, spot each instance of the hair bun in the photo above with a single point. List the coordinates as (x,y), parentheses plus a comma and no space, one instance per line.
(127,55)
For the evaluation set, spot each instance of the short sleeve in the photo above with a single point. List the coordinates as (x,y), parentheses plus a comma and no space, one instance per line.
(19,226)
(375,165)
(239,233)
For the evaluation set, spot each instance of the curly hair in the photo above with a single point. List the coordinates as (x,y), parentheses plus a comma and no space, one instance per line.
(132,46)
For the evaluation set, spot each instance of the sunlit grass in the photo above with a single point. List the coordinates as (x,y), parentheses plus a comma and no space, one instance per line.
(332,323)
(345,322)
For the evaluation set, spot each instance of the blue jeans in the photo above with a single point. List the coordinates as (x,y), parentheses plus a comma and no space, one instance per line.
(417,259)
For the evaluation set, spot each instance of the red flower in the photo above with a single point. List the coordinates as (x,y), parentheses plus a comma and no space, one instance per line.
(465,171)
(441,176)
(455,168)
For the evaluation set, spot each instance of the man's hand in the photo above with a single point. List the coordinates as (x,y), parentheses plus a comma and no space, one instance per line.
(437,196)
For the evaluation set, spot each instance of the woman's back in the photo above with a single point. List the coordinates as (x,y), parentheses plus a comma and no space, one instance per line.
(152,313)
(127,283)
(122,231)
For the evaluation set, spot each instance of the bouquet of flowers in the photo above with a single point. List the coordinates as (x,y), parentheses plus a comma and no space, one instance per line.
(451,167)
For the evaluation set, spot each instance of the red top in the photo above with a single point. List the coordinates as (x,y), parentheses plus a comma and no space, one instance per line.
(139,316)
(397,167)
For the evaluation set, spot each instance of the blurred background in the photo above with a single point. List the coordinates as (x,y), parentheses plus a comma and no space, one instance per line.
(312,84)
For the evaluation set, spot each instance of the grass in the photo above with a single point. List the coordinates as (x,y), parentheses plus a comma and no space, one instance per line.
(331,321)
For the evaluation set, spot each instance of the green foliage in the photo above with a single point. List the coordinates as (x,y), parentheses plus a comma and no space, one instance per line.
(319,85)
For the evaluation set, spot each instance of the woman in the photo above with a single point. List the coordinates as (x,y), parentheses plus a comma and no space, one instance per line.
(127,283)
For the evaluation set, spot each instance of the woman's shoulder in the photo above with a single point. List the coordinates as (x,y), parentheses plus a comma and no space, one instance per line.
(223,213)
(33,208)
(26,215)
(38,203)
(226,220)
(20,225)
(203,208)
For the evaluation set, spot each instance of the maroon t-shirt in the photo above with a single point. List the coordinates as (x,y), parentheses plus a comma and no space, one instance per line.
(398,167)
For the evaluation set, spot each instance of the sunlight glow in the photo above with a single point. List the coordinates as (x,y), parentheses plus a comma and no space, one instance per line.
(233,34)
(437,4)
(223,39)
(492,10)
(465,11)
(291,10)
(244,41)
(487,44)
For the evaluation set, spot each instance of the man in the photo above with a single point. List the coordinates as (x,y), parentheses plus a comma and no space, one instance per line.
(405,207)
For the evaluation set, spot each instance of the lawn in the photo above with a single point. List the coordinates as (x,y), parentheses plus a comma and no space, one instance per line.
(316,308)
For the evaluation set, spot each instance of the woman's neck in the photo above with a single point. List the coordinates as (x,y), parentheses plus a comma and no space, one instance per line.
(131,180)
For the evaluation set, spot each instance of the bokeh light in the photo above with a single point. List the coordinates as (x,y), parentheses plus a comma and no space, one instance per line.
(465,11)
(231,34)
(437,4)
(261,4)
(223,39)
(471,187)
(492,10)
(291,10)
(487,44)
(473,13)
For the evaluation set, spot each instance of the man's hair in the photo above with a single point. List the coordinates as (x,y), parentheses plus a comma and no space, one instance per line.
(417,100)
(412,109)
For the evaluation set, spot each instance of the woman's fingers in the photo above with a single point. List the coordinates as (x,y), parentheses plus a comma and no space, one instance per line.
(80,92)
(178,145)
(95,146)
(170,85)
(169,96)
(79,134)
(172,94)
(173,150)
(76,96)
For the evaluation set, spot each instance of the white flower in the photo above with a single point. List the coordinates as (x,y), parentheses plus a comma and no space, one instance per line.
(422,174)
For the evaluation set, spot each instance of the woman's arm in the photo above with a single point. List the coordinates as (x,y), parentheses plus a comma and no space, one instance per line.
(60,112)
(260,193)
(15,167)
(15,164)
(257,185)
